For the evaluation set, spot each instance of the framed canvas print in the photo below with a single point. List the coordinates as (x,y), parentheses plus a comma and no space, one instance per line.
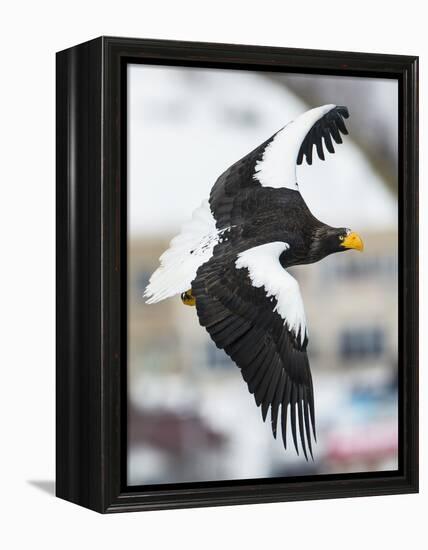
(237,274)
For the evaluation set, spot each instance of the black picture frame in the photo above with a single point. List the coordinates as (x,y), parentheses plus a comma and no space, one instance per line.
(91,274)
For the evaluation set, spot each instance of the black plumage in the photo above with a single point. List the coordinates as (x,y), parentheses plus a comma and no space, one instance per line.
(330,125)
(244,297)
(241,319)
(273,361)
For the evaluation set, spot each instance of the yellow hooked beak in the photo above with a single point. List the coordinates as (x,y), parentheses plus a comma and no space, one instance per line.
(353,240)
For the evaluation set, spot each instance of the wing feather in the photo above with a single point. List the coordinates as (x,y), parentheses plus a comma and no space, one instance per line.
(249,320)
(273,163)
(276,401)
(330,125)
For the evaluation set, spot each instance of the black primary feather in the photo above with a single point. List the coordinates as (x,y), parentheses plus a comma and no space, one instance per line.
(329,126)
(273,360)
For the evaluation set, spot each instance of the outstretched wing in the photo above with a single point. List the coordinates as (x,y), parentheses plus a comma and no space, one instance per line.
(273,163)
(252,309)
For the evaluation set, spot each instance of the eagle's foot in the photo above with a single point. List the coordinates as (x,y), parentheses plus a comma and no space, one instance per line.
(187,298)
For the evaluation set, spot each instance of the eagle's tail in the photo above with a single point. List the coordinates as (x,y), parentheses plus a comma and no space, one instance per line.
(192,247)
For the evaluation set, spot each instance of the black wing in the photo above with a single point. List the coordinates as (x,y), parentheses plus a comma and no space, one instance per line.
(329,126)
(237,183)
(241,320)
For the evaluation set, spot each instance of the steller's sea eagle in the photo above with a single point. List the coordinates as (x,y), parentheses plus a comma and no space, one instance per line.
(231,260)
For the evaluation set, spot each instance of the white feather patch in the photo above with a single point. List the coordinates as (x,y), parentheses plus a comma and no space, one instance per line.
(266,271)
(191,248)
(277,168)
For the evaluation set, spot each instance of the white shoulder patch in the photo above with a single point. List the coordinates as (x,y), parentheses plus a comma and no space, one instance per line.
(277,168)
(266,271)
(186,253)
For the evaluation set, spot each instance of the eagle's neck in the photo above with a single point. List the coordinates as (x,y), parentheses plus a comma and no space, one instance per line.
(317,250)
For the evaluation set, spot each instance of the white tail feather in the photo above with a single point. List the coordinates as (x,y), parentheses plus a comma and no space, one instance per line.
(191,248)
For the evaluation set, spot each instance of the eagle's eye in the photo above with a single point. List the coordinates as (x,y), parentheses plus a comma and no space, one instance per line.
(341,237)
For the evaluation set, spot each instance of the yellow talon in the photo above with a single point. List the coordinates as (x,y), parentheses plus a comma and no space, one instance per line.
(188,299)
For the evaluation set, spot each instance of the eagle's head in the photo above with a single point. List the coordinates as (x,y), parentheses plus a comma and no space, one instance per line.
(328,240)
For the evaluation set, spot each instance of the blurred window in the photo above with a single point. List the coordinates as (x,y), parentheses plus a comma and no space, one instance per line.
(361,343)
(370,266)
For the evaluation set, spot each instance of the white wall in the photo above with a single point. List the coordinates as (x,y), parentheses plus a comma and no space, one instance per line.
(30,33)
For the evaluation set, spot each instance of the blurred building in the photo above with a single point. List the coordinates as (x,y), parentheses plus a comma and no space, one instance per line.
(351,306)
(350,302)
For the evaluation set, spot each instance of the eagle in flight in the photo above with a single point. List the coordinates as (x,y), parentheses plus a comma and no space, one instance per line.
(230,262)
